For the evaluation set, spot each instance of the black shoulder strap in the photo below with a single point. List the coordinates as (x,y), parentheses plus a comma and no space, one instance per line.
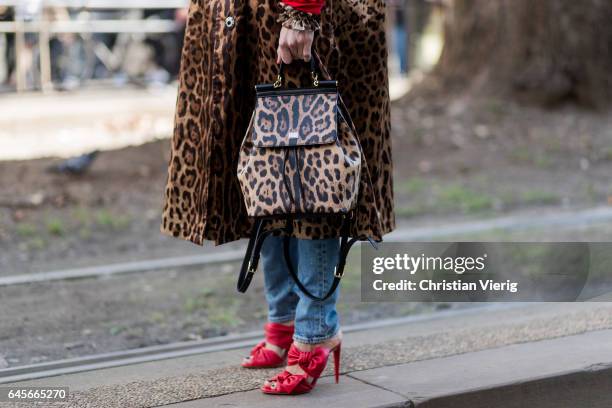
(251,258)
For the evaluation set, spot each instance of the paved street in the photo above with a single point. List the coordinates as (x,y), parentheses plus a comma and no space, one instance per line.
(79,122)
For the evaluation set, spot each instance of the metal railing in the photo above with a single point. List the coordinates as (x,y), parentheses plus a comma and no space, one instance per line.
(46,29)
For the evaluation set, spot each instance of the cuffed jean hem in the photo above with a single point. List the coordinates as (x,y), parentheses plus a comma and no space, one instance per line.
(282,319)
(315,340)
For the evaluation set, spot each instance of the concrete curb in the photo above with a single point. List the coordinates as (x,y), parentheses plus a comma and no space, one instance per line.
(585,388)
(572,371)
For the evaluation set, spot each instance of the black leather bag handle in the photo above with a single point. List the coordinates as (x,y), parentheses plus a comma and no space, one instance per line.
(314,73)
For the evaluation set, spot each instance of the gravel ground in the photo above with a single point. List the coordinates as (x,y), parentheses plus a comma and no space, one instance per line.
(62,319)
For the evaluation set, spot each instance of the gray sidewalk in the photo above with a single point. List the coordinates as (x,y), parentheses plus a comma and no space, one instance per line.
(562,372)
(461,359)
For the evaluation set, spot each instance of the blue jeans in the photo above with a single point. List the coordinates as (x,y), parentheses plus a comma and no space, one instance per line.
(314,261)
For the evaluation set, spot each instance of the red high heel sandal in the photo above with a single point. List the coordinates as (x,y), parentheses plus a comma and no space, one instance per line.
(312,362)
(277,334)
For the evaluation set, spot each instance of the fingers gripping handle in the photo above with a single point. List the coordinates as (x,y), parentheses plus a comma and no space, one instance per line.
(315,68)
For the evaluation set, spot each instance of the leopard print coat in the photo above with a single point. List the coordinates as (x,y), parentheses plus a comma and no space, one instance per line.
(230,45)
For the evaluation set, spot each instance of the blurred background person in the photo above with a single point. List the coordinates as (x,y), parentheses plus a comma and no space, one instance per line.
(398,13)
(7,47)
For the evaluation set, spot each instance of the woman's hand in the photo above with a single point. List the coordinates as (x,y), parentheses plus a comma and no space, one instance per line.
(294,44)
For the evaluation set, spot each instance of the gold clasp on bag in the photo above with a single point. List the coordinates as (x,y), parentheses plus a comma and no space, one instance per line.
(315,78)
(278,82)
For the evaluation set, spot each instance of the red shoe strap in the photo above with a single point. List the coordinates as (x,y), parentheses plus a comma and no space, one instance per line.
(287,382)
(261,356)
(312,362)
(279,335)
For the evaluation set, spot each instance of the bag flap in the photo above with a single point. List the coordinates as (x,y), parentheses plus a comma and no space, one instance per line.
(299,119)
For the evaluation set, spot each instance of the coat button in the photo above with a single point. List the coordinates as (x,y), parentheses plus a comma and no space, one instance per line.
(230,21)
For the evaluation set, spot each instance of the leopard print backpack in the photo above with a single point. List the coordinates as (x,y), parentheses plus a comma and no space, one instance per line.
(300,157)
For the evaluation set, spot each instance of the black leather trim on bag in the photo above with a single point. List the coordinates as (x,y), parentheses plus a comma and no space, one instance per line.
(268,89)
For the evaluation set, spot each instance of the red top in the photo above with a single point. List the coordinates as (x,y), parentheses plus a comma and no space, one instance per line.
(308,6)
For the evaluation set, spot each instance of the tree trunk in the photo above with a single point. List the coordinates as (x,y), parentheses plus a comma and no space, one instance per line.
(548,51)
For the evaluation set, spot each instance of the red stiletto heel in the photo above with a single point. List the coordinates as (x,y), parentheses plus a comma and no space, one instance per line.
(311,362)
(277,334)
(337,363)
